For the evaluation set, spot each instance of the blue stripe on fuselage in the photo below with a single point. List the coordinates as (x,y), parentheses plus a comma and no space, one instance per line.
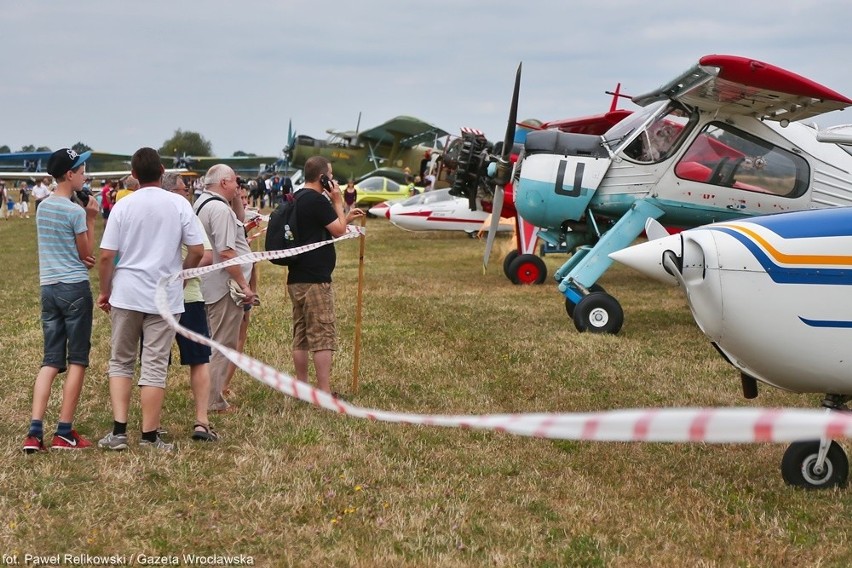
(830,222)
(787,275)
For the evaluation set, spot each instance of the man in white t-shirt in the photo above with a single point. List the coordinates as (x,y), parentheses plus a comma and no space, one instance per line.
(140,245)
(40,193)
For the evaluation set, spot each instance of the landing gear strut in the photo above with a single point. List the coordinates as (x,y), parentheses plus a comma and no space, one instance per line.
(817,464)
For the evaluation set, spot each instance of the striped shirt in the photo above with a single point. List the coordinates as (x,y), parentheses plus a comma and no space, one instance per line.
(58,222)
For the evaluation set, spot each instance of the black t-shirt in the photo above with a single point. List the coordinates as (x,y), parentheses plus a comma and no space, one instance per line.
(313,213)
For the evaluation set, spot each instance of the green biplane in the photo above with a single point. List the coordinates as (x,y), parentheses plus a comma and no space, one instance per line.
(400,142)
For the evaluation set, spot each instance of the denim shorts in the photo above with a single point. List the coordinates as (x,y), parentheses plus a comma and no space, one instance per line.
(66,319)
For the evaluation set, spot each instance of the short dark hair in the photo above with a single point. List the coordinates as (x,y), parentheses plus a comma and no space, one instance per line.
(146,165)
(316,166)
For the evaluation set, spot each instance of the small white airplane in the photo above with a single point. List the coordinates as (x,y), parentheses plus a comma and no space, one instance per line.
(771,293)
(437,210)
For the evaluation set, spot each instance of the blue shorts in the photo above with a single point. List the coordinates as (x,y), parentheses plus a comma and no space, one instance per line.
(66,320)
(194,318)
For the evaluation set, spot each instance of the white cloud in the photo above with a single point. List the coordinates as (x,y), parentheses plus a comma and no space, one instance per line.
(118,76)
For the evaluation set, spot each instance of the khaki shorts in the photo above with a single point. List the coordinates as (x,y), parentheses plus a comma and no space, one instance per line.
(314,326)
(128,327)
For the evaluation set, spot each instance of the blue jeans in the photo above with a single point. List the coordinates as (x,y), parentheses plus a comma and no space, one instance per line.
(66,319)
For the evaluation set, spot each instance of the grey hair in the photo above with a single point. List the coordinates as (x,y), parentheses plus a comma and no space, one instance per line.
(216,174)
(169,181)
(130,183)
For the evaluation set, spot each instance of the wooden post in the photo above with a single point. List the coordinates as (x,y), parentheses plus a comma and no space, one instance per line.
(357,359)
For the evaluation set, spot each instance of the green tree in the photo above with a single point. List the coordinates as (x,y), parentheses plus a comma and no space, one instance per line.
(79,147)
(189,143)
(43,149)
(27,148)
(241,154)
(5,149)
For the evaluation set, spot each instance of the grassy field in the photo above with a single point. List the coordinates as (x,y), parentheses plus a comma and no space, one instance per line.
(293,485)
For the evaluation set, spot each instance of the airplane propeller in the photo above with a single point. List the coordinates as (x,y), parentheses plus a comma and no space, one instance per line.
(654,230)
(504,170)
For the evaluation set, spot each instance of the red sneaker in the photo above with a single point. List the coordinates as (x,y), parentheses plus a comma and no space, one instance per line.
(73,442)
(33,445)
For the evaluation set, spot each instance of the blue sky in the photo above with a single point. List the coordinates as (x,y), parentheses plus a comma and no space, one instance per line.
(120,75)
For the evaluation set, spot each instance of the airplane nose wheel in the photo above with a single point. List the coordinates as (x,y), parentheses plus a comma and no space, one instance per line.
(799,466)
(598,313)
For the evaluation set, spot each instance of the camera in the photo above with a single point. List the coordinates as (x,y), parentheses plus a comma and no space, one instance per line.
(83,196)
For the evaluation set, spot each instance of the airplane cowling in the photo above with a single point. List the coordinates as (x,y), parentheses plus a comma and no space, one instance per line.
(761,325)
(556,188)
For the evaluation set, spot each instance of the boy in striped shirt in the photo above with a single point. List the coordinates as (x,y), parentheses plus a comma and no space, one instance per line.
(66,237)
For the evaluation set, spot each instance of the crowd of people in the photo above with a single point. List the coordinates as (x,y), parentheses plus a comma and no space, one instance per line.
(154,229)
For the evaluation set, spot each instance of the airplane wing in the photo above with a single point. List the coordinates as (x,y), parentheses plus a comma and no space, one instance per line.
(92,175)
(738,85)
(595,124)
(21,156)
(408,130)
(238,163)
(23,175)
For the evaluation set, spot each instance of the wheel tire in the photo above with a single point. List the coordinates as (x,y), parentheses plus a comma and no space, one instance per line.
(798,461)
(527,269)
(569,305)
(598,313)
(507,262)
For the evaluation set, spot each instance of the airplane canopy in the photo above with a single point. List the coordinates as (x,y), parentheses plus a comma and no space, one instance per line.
(738,85)
(409,131)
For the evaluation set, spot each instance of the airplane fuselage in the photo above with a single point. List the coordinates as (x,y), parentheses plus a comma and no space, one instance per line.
(551,192)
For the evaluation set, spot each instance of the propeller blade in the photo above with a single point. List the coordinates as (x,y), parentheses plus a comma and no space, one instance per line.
(654,230)
(503,170)
(509,140)
(496,209)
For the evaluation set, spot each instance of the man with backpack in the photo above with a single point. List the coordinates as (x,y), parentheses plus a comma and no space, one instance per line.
(228,237)
(319,217)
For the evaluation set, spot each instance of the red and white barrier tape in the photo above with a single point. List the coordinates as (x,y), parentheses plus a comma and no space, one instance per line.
(709,425)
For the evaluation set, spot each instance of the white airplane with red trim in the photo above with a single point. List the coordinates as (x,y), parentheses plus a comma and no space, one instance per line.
(436,211)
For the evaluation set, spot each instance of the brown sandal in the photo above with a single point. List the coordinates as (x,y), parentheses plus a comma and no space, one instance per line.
(205,435)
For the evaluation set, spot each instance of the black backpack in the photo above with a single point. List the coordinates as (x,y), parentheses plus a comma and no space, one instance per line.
(281,230)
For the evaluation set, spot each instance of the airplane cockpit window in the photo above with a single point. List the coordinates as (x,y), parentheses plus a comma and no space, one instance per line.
(622,130)
(436,196)
(378,183)
(661,136)
(726,156)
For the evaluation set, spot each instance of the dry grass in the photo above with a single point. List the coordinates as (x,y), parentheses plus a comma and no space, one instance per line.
(296,486)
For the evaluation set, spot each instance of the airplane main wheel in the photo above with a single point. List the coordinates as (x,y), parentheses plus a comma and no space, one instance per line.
(527,269)
(798,466)
(569,305)
(507,262)
(598,313)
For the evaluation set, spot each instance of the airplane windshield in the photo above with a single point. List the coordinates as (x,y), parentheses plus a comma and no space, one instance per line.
(623,129)
(653,135)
